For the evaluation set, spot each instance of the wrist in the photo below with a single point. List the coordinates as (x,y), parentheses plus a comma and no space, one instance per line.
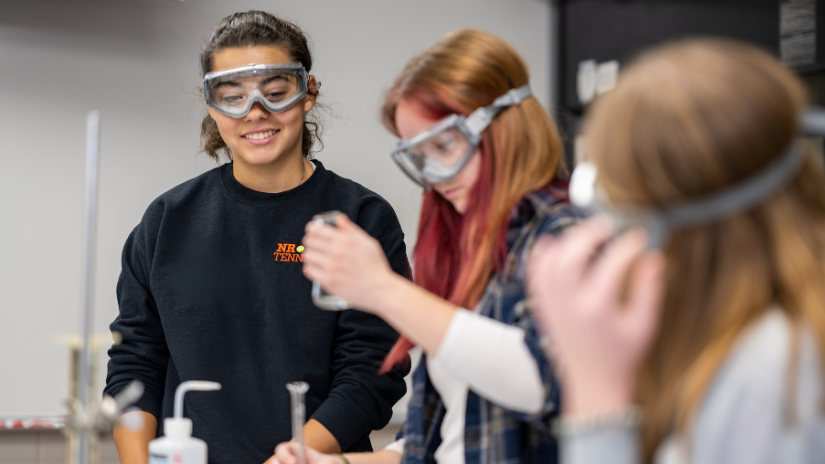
(626,417)
(387,288)
(593,397)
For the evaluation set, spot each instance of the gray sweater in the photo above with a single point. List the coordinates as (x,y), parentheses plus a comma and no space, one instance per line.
(742,417)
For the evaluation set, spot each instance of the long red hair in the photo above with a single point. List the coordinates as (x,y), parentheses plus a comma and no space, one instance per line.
(457,254)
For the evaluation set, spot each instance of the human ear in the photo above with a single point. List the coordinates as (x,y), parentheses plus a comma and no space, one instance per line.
(312,94)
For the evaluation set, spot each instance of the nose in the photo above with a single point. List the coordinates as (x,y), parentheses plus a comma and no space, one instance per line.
(257,112)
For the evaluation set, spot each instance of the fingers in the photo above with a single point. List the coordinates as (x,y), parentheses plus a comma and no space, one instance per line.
(283,454)
(320,242)
(558,264)
(323,237)
(578,246)
(316,258)
(346,225)
(320,237)
(542,278)
(326,247)
(647,289)
(314,273)
(312,225)
(540,262)
(343,222)
(610,271)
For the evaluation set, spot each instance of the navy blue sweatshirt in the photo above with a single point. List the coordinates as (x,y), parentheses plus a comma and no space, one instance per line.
(212,288)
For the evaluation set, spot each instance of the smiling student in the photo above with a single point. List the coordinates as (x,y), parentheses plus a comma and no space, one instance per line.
(212,286)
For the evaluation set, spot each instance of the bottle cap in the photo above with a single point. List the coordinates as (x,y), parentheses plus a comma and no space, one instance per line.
(177,428)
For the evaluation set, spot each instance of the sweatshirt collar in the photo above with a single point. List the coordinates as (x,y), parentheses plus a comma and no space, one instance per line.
(288,197)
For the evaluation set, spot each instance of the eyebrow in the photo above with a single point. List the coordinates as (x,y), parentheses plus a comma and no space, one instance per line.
(264,82)
(273,78)
(227,84)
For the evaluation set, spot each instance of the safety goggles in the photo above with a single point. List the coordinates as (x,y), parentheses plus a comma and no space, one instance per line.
(277,87)
(439,153)
(736,199)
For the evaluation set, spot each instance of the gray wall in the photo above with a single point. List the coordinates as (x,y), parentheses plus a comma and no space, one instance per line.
(136,62)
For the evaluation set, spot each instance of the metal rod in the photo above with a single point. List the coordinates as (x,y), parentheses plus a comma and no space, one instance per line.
(84,381)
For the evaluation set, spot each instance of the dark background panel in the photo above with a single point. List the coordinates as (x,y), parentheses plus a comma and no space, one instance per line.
(605,30)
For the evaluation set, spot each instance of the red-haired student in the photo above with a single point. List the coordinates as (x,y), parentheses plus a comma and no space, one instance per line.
(488,156)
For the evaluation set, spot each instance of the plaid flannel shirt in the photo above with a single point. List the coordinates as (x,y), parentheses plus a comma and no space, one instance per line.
(493,434)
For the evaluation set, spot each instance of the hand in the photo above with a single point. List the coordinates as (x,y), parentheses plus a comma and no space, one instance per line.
(347,262)
(599,308)
(284,454)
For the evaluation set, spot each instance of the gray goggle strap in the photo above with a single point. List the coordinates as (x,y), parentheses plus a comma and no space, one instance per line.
(740,197)
(481,118)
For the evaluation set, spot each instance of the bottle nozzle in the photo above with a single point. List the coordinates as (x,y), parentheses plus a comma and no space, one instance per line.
(191,385)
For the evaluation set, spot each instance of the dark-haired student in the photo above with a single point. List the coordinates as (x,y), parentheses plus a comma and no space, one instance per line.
(212,285)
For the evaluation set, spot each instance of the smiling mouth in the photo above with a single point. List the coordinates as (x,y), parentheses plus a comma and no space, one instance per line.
(260,135)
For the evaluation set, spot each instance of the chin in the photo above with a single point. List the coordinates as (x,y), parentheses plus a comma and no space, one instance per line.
(460,206)
(260,157)
(261,160)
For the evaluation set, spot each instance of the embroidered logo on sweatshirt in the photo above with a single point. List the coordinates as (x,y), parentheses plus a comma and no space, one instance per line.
(289,252)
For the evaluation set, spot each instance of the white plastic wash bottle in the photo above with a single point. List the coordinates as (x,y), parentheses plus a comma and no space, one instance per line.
(178,446)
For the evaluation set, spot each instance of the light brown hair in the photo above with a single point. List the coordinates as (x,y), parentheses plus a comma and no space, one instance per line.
(687,120)
(457,255)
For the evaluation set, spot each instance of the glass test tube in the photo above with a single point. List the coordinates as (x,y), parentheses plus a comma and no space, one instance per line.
(321,298)
(297,390)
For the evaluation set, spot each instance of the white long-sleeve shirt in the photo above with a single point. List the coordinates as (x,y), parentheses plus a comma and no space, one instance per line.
(490,358)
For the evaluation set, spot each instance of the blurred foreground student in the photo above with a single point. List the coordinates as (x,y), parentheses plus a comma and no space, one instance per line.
(487,154)
(710,350)
(213,288)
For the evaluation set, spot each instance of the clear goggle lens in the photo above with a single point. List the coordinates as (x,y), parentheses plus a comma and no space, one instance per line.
(233,93)
(437,157)
(275,89)
(444,149)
